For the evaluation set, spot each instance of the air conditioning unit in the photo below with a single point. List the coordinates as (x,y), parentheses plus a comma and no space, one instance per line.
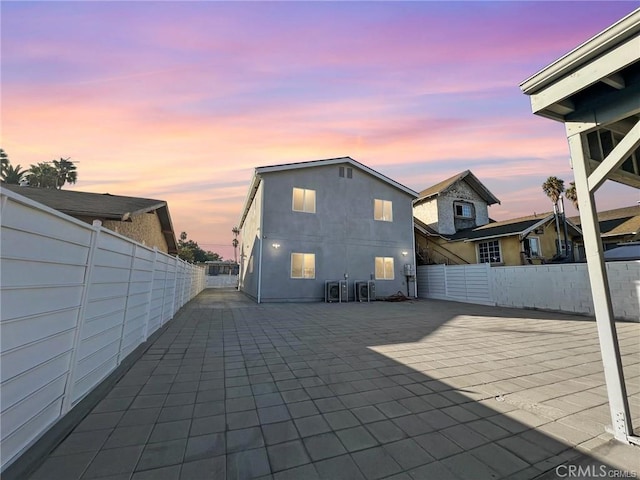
(365,291)
(336,291)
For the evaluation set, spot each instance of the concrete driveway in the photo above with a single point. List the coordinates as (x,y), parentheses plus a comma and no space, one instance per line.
(411,390)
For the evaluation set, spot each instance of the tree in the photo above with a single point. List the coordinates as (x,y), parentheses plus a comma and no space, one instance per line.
(66,172)
(4,158)
(235,243)
(12,175)
(191,252)
(553,188)
(572,195)
(42,175)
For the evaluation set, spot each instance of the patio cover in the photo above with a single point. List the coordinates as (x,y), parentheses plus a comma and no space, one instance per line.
(595,91)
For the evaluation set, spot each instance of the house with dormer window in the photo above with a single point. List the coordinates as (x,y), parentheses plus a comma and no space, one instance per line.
(309,223)
(452,226)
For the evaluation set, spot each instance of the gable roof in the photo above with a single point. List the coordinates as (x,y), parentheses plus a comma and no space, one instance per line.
(617,222)
(310,164)
(520,226)
(467,176)
(101,206)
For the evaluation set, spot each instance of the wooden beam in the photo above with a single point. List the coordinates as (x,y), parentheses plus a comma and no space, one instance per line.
(612,108)
(615,80)
(615,158)
(602,67)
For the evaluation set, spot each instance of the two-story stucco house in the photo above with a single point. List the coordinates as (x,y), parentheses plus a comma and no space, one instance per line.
(304,224)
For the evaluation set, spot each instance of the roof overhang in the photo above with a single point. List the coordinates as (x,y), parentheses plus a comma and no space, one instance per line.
(259,171)
(595,89)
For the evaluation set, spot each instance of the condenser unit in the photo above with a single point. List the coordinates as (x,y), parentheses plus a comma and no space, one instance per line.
(336,291)
(365,291)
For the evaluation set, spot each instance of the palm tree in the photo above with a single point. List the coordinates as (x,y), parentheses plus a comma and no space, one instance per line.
(553,188)
(572,195)
(5,163)
(12,175)
(43,175)
(66,172)
(236,232)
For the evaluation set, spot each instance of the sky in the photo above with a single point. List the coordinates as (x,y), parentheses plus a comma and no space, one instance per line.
(180,101)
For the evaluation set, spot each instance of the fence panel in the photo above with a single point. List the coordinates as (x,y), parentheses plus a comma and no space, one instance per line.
(43,262)
(562,287)
(76,300)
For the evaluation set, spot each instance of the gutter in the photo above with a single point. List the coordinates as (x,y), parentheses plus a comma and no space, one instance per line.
(592,48)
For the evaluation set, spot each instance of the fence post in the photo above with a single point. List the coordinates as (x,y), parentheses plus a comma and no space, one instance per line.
(164,293)
(175,286)
(145,333)
(126,302)
(71,376)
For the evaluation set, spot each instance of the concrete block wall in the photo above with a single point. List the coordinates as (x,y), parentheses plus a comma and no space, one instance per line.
(563,288)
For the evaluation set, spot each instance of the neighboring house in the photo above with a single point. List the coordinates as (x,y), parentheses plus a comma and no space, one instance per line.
(307,223)
(452,226)
(144,220)
(617,227)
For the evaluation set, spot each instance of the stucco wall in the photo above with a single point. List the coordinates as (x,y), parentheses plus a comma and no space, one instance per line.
(144,228)
(460,192)
(342,233)
(250,247)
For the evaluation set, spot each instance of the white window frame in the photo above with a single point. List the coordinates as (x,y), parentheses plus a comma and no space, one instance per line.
(386,210)
(490,259)
(539,252)
(388,268)
(306,208)
(303,274)
(462,205)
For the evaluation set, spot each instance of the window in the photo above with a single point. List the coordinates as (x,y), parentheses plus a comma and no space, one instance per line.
(489,252)
(462,209)
(384,268)
(383,210)
(304,200)
(532,247)
(303,265)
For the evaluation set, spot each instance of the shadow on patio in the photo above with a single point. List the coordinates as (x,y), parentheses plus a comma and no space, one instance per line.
(419,389)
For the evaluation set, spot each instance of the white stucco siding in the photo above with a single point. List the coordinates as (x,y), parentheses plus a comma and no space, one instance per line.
(427,212)
(250,246)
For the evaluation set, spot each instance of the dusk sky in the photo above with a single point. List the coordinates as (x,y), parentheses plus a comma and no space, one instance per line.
(180,101)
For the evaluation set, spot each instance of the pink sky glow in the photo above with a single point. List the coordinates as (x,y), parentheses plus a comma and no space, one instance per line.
(179,101)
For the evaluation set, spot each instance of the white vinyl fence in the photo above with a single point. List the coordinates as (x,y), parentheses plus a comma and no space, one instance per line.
(562,287)
(75,300)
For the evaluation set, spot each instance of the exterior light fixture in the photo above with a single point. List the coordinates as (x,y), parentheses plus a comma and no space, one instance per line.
(405,253)
(275,245)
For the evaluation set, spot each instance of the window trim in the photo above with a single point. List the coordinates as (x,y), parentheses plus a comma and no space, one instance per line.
(304,198)
(383,203)
(539,253)
(303,277)
(384,268)
(462,205)
(497,241)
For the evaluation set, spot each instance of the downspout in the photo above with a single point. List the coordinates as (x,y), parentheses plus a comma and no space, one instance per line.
(413,256)
(259,295)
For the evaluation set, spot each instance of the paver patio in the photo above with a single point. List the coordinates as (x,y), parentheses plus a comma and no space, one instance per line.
(411,390)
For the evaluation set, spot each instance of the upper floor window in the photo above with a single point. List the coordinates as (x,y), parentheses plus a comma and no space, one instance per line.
(384,268)
(383,210)
(304,200)
(463,209)
(303,265)
(489,252)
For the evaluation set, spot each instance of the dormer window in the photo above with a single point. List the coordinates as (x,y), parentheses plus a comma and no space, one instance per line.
(463,209)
